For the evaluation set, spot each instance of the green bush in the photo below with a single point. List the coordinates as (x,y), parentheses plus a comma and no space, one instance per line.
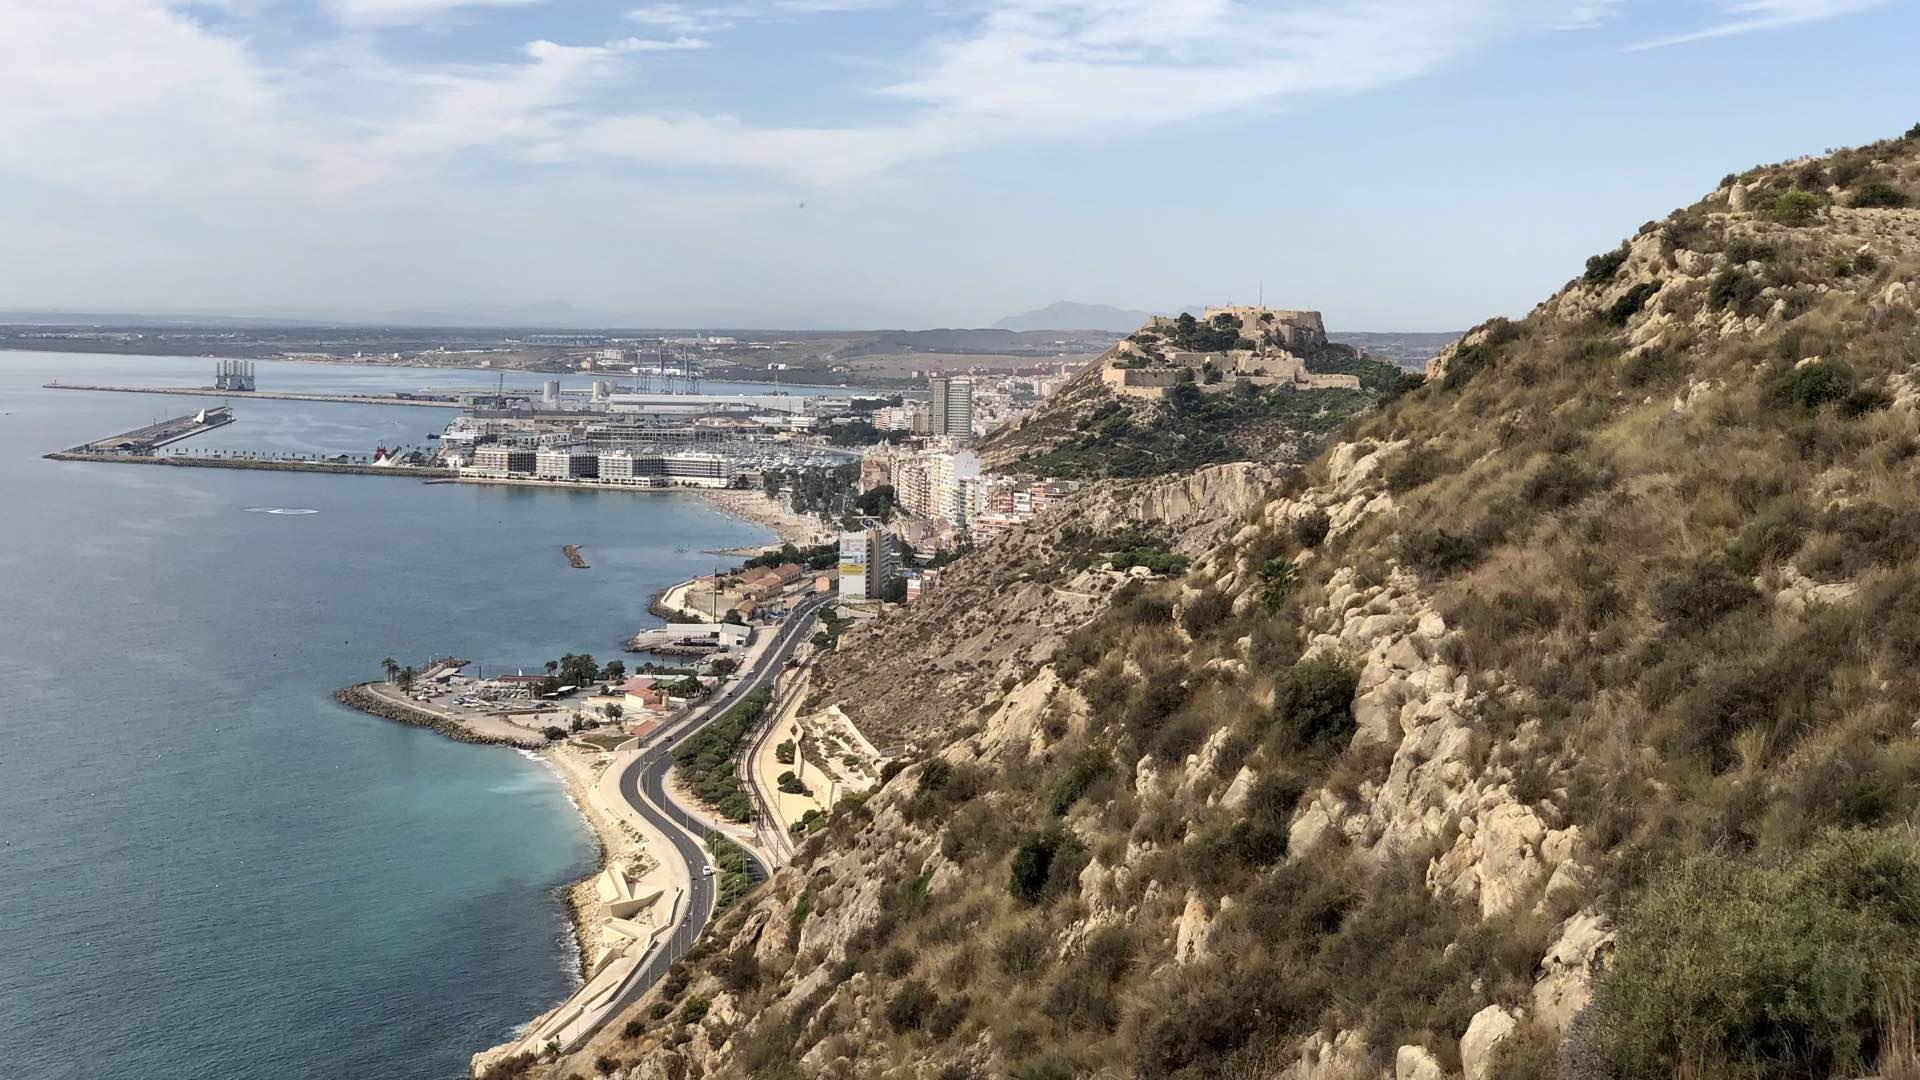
(1561,482)
(1310,529)
(1528,1054)
(1794,207)
(1466,362)
(1630,302)
(1087,766)
(1812,385)
(1736,968)
(908,1008)
(1046,865)
(1746,249)
(1277,579)
(705,760)
(1734,289)
(946,1017)
(1437,552)
(1205,611)
(695,1010)
(1645,365)
(1023,949)
(1602,268)
(1314,700)
(1414,467)
(731,879)
(1702,594)
(1879,195)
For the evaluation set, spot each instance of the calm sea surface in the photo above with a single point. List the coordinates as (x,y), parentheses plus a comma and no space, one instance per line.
(208,869)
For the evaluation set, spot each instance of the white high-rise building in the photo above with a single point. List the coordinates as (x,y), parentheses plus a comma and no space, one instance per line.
(952,407)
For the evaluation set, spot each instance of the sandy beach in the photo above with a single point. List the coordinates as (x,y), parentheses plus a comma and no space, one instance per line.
(581,767)
(758,508)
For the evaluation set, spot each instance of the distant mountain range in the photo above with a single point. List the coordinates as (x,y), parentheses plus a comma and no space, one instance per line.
(1067,315)
(559,316)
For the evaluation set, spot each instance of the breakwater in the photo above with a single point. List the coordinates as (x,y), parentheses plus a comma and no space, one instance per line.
(270,464)
(574,558)
(145,440)
(361,696)
(416,401)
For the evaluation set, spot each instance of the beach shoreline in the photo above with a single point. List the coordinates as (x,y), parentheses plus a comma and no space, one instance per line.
(581,768)
(759,508)
(742,504)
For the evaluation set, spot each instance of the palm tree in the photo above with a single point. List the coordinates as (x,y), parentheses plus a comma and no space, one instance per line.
(390,667)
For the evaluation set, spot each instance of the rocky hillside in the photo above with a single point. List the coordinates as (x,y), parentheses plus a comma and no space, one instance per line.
(1086,430)
(1557,721)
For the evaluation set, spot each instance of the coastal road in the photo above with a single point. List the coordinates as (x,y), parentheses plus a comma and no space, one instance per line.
(643,784)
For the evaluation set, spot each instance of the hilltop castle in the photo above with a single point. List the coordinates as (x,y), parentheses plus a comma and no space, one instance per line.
(1228,347)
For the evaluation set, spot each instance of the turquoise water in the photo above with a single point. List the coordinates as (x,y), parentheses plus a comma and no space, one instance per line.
(207,867)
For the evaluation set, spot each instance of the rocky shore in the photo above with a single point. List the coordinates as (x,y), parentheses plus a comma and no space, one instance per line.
(361,696)
(578,769)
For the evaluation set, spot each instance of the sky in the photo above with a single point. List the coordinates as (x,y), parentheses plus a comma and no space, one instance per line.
(1397,164)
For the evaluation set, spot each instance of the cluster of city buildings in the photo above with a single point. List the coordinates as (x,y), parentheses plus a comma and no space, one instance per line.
(680,440)
(946,487)
(964,406)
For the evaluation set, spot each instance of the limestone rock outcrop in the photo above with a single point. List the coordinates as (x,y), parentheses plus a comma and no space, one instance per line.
(1417,1063)
(1488,1028)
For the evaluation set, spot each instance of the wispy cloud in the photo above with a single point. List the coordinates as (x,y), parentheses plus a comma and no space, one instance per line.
(138,98)
(685,18)
(404,12)
(1752,16)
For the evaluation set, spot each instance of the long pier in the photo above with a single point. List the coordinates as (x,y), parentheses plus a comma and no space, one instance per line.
(145,440)
(414,472)
(416,400)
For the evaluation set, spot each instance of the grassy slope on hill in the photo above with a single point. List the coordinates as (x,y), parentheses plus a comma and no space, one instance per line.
(1672,518)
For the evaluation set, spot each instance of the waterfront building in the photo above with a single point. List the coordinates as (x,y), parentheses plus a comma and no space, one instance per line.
(566,463)
(698,469)
(499,460)
(616,465)
(951,408)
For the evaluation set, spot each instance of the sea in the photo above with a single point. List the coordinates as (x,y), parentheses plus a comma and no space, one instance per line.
(209,868)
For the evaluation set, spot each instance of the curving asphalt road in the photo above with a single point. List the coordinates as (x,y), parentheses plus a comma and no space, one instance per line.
(687,831)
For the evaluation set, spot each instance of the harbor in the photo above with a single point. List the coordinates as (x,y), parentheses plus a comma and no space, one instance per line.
(603,436)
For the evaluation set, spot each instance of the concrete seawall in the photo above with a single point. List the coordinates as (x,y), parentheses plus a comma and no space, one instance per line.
(402,471)
(367,701)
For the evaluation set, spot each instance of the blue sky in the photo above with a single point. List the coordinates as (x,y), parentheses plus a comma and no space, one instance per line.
(1399,164)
